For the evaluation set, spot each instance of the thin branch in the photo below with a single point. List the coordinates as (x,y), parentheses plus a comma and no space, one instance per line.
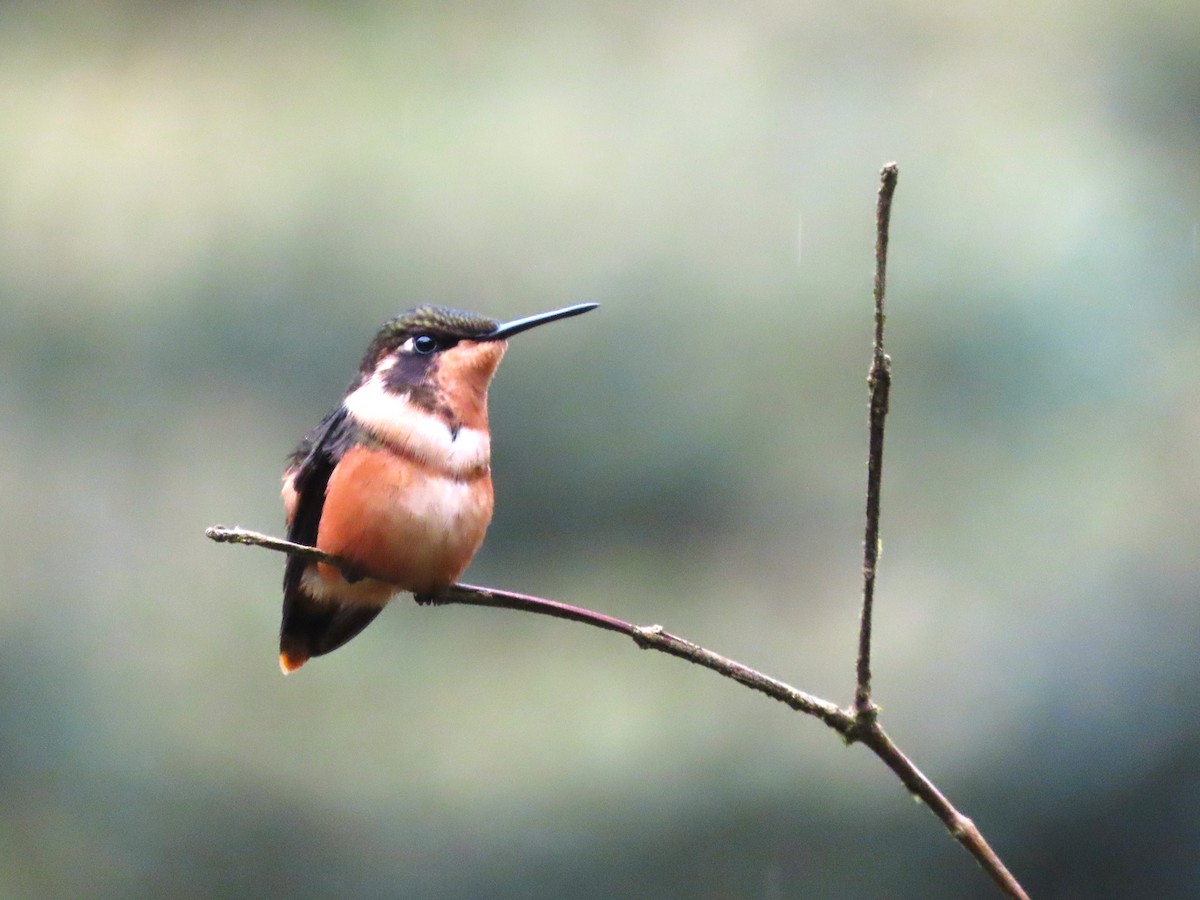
(960,827)
(648,637)
(653,637)
(879,380)
(847,723)
(225,535)
(860,723)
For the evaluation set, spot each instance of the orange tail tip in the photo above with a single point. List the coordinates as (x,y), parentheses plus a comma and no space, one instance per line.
(316,625)
(290,661)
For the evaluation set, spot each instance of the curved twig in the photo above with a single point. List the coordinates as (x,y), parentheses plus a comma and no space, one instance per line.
(845,722)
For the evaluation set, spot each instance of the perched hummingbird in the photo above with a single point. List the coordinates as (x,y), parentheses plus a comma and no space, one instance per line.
(397,479)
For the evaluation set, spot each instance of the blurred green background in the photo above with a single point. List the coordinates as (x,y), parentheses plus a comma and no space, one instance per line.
(207,209)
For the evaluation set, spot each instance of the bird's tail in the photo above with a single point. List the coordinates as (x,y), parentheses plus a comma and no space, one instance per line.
(322,613)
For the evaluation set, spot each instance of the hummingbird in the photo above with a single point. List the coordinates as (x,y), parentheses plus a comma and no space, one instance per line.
(396,481)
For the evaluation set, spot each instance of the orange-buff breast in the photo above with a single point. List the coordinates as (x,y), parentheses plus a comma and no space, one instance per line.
(401,521)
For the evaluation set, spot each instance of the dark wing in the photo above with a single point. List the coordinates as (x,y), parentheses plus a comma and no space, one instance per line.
(313,462)
(313,626)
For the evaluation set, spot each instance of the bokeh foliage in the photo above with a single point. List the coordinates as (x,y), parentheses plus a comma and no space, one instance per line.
(206,209)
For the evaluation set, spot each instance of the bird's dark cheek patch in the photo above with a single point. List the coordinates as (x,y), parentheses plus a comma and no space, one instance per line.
(408,370)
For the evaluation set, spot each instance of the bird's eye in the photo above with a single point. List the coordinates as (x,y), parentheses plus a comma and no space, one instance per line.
(424,344)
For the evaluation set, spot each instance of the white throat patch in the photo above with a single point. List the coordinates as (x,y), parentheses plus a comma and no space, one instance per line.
(396,419)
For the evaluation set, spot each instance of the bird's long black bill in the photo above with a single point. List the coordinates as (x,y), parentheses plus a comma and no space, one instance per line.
(508,329)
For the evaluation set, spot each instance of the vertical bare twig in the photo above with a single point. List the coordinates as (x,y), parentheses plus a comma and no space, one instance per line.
(879,380)
(866,728)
